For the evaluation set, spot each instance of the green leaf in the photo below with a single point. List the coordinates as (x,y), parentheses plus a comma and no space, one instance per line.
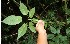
(58,31)
(67,30)
(67,11)
(63,38)
(23,9)
(56,39)
(31,12)
(68,20)
(61,23)
(22,30)
(53,30)
(12,20)
(66,42)
(31,27)
(45,25)
(50,36)
(34,20)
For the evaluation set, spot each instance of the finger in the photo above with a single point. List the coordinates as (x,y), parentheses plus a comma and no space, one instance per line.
(36,25)
(41,22)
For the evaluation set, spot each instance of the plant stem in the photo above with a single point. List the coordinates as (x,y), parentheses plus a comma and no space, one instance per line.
(66,9)
(27,2)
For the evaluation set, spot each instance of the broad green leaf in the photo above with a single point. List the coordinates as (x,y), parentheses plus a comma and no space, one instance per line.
(59,36)
(31,12)
(22,30)
(67,30)
(50,36)
(60,39)
(66,42)
(31,27)
(53,30)
(12,20)
(34,20)
(56,39)
(23,9)
(58,31)
(63,38)
(68,20)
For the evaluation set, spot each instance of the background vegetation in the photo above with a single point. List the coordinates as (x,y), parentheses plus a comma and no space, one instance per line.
(55,13)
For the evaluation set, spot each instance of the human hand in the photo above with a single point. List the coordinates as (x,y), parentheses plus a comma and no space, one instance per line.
(40,26)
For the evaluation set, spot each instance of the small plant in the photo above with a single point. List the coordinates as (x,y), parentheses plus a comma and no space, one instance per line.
(13,20)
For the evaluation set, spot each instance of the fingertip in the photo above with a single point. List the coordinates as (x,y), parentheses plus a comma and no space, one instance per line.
(40,21)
